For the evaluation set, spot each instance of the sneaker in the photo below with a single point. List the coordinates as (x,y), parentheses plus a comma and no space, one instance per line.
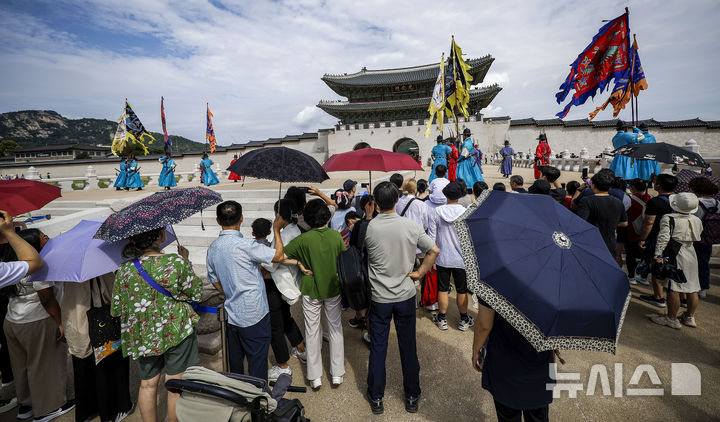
(660,303)
(275,372)
(8,404)
(366,338)
(683,303)
(316,383)
(632,281)
(664,320)
(122,415)
(9,383)
(357,322)
(465,324)
(433,307)
(688,320)
(376,405)
(337,381)
(411,404)
(68,406)
(702,294)
(302,356)
(24,412)
(441,323)
(642,281)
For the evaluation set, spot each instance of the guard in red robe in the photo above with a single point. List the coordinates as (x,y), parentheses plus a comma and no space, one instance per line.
(542,154)
(233,176)
(452,159)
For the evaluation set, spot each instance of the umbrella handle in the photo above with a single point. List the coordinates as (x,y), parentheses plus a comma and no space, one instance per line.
(176,236)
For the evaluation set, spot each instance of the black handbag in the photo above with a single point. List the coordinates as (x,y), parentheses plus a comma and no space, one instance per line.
(103,328)
(668,269)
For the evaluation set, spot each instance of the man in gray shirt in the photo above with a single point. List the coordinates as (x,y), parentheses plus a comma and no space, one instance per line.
(391,243)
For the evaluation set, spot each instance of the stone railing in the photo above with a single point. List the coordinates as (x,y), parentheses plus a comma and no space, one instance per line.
(564,164)
(91,181)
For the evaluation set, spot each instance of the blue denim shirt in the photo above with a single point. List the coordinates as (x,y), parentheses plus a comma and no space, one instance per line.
(232,261)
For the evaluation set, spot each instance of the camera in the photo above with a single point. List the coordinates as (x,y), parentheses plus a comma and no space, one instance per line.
(364,185)
(584,173)
(304,189)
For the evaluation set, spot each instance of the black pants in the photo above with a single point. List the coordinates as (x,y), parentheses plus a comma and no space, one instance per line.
(252,342)
(633,254)
(508,414)
(281,324)
(102,388)
(703,252)
(5,368)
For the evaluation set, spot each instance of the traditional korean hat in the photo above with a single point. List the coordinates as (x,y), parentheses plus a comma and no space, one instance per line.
(507,142)
(620,125)
(439,138)
(466,131)
(643,126)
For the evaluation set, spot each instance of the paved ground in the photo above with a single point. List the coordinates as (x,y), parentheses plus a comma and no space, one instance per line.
(452,391)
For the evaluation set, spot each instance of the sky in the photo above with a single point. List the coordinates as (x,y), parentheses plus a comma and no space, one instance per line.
(259,63)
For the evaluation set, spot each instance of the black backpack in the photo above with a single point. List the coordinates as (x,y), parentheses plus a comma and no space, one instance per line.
(352,270)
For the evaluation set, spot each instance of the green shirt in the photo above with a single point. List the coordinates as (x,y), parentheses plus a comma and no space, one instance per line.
(318,249)
(151,322)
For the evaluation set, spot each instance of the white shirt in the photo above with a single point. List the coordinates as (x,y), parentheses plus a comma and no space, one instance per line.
(12,272)
(287,278)
(26,307)
(442,231)
(417,211)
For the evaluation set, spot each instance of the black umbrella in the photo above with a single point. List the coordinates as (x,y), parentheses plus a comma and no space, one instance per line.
(663,153)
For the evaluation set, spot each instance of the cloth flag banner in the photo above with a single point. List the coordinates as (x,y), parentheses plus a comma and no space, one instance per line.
(605,59)
(168,141)
(623,89)
(438,99)
(120,140)
(209,132)
(457,81)
(135,129)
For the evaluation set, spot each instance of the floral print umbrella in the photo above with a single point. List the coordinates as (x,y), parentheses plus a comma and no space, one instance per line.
(160,209)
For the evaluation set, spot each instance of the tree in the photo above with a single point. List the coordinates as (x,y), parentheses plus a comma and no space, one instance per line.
(84,155)
(6,146)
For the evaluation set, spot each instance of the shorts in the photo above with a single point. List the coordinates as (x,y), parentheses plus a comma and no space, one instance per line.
(459,279)
(175,360)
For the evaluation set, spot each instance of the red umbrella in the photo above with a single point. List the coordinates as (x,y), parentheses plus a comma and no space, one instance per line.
(19,196)
(371,159)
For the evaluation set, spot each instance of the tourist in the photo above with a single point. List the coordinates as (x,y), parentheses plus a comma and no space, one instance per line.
(646,168)
(705,190)
(343,201)
(542,155)
(469,167)
(540,187)
(350,219)
(622,165)
(450,261)
(570,190)
(620,185)
(439,155)
(507,154)
(281,322)
(350,186)
(233,269)
(684,227)
(357,239)
(603,211)
(157,331)
(478,187)
(436,197)
(397,180)
(133,181)
(167,175)
(452,159)
(633,253)
(391,243)
(512,370)
(28,260)
(618,193)
(422,190)
(101,388)
(465,199)
(655,209)
(234,176)
(499,186)
(516,184)
(207,175)
(409,206)
(318,249)
(298,196)
(552,174)
(35,340)
(121,178)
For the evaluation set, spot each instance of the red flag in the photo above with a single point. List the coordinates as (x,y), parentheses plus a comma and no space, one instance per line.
(209,132)
(168,143)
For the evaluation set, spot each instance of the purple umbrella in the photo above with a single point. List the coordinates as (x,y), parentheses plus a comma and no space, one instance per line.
(160,209)
(75,256)
(685,176)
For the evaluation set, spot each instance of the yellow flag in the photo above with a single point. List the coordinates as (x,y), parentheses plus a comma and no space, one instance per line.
(437,103)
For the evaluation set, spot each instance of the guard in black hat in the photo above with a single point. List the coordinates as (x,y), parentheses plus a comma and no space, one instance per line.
(646,168)
(507,154)
(542,155)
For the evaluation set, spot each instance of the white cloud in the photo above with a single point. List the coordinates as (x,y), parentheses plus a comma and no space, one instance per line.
(311,117)
(500,78)
(491,111)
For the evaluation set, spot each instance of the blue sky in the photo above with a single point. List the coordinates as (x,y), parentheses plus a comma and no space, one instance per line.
(259,63)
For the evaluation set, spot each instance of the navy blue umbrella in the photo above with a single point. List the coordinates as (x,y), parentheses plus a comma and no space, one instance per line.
(545,270)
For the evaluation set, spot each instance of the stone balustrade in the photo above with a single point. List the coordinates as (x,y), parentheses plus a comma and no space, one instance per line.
(91,181)
(564,164)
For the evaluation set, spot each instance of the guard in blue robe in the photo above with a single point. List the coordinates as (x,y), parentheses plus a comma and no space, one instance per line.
(133,175)
(122,175)
(646,168)
(507,155)
(469,168)
(206,174)
(621,165)
(439,155)
(167,175)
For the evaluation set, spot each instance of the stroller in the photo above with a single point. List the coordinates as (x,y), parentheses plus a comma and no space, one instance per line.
(210,396)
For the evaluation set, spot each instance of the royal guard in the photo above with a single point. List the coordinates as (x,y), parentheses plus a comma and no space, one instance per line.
(542,154)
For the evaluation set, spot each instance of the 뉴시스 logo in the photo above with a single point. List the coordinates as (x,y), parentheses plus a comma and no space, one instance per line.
(685,380)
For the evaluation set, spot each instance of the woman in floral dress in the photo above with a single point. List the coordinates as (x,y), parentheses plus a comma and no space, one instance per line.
(157,331)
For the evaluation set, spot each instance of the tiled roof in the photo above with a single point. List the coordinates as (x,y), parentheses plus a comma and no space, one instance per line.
(497,119)
(683,123)
(522,122)
(579,122)
(63,147)
(714,124)
(428,72)
(478,94)
(671,124)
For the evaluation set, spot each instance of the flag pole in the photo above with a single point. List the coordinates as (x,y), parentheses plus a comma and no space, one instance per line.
(207,108)
(632,70)
(453,54)
(634,94)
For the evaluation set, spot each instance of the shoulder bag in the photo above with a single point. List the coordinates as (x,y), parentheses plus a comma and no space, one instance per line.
(103,328)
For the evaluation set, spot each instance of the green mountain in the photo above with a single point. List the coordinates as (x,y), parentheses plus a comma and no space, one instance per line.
(33,128)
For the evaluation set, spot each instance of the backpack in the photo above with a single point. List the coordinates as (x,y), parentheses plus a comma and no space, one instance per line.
(711,224)
(429,289)
(352,272)
(637,223)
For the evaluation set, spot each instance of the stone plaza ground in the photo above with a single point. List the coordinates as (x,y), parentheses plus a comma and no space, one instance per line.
(451,388)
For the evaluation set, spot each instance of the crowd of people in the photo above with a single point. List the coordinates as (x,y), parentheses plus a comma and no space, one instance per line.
(404,232)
